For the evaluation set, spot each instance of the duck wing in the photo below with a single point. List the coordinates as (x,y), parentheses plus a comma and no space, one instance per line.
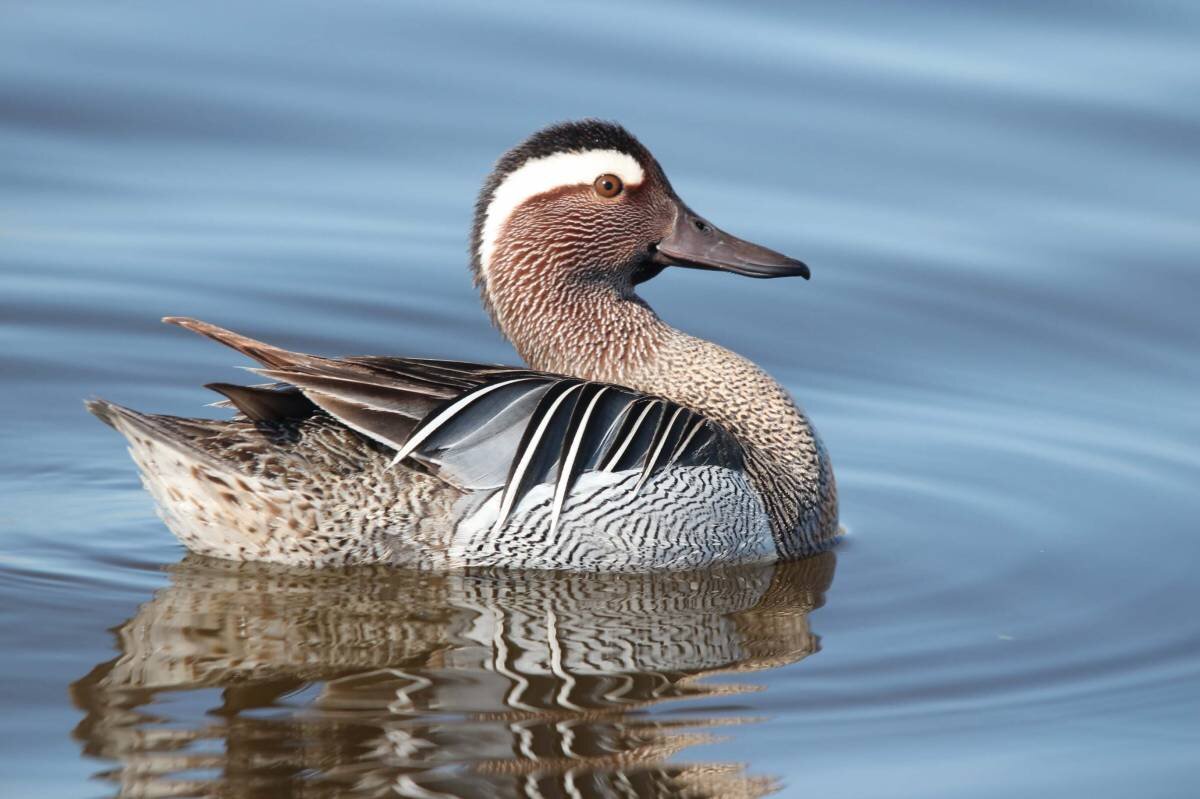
(482,426)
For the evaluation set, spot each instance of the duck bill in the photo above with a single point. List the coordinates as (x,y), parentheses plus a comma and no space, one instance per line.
(696,243)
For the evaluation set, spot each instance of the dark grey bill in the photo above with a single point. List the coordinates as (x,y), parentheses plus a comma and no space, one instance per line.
(696,243)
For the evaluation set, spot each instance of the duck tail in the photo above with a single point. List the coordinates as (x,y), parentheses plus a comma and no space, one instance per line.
(149,431)
(105,411)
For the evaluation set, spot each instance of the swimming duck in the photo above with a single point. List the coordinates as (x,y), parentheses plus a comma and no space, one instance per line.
(624,444)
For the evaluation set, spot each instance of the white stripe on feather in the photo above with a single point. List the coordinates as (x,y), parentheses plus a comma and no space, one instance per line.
(613,429)
(612,462)
(510,490)
(417,438)
(657,450)
(560,489)
(687,440)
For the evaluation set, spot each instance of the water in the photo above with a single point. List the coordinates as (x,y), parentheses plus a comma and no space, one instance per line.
(999,347)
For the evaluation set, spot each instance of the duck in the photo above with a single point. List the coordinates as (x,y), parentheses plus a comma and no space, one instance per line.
(622,444)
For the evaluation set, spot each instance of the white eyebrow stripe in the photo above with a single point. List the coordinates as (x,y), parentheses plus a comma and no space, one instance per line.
(540,175)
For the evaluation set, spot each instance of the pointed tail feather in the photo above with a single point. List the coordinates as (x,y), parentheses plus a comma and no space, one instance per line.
(265,404)
(266,354)
(147,429)
(103,410)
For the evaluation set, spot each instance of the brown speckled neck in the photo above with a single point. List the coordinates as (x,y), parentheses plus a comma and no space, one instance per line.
(588,329)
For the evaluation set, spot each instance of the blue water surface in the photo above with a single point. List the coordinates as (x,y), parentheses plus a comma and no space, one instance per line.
(999,345)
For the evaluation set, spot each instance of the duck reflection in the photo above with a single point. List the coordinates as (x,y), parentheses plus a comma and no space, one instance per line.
(250,680)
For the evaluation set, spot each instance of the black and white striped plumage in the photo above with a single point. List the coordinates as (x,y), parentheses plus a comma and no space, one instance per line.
(508,429)
(519,430)
(485,430)
(483,427)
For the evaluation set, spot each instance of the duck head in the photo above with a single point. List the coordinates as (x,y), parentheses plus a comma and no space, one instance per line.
(584,205)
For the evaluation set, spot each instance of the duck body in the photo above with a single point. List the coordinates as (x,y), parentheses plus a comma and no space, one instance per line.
(624,445)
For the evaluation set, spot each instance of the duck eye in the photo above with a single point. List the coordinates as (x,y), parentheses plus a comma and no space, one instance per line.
(608,185)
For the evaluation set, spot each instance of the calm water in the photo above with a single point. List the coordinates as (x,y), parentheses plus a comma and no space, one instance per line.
(1000,346)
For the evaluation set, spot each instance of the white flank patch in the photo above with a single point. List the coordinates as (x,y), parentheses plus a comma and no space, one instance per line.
(540,175)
